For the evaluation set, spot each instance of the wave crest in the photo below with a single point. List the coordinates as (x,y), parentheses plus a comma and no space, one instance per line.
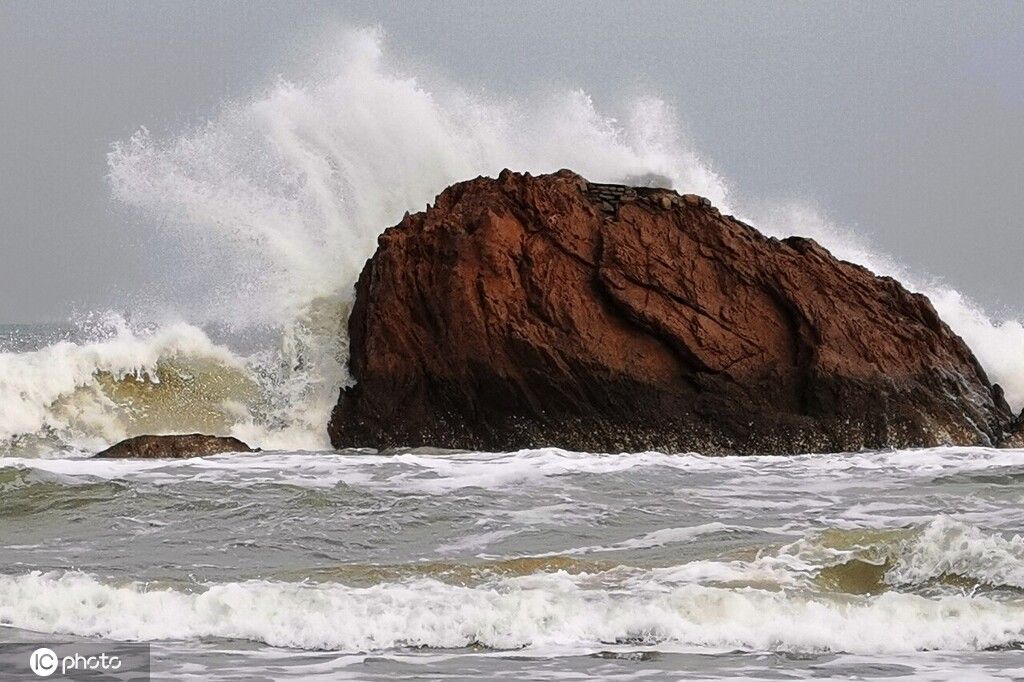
(555,609)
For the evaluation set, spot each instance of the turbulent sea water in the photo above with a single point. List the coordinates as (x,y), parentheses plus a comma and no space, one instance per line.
(540,564)
(304,563)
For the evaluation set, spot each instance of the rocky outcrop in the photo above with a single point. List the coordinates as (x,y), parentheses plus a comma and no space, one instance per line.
(178,447)
(549,311)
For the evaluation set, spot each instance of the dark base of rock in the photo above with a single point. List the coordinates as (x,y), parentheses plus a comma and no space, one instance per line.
(1015,438)
(174,447)
(901,415)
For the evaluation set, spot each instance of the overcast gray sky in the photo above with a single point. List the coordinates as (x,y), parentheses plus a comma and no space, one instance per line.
(905,120)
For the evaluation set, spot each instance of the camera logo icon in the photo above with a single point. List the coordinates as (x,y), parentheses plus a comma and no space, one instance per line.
(43,662)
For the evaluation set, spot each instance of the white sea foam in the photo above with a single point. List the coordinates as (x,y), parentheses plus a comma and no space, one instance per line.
(998,345)
(443,474)
(286,193)
(554,609)
(947,547)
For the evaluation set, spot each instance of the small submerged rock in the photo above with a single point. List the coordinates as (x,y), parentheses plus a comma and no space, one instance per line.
(176,447)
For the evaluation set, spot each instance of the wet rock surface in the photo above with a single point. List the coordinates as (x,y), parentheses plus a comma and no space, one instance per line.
(174,447)
(1015,437)
(549,311)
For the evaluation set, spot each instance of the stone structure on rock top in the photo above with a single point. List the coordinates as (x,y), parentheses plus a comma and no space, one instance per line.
(549,311)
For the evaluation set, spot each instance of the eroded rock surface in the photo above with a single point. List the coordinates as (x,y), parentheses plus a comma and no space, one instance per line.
(548,311)
(191,445)
(1015,437)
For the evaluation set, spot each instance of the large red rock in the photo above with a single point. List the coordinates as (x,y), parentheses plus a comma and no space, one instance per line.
(548,311)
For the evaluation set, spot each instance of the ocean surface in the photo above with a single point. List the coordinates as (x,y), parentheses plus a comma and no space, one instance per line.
(304,563)
(540,564)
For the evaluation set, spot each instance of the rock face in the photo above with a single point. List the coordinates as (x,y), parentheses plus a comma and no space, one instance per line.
(157,447)
(1015,438)
(549,311)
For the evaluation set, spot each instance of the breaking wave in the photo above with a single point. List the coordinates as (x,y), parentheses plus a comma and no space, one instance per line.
(85,395)
(553,608)
(943,554)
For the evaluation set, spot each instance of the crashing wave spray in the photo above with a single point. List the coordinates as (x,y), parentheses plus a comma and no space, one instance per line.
(285,195)
(276,203)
